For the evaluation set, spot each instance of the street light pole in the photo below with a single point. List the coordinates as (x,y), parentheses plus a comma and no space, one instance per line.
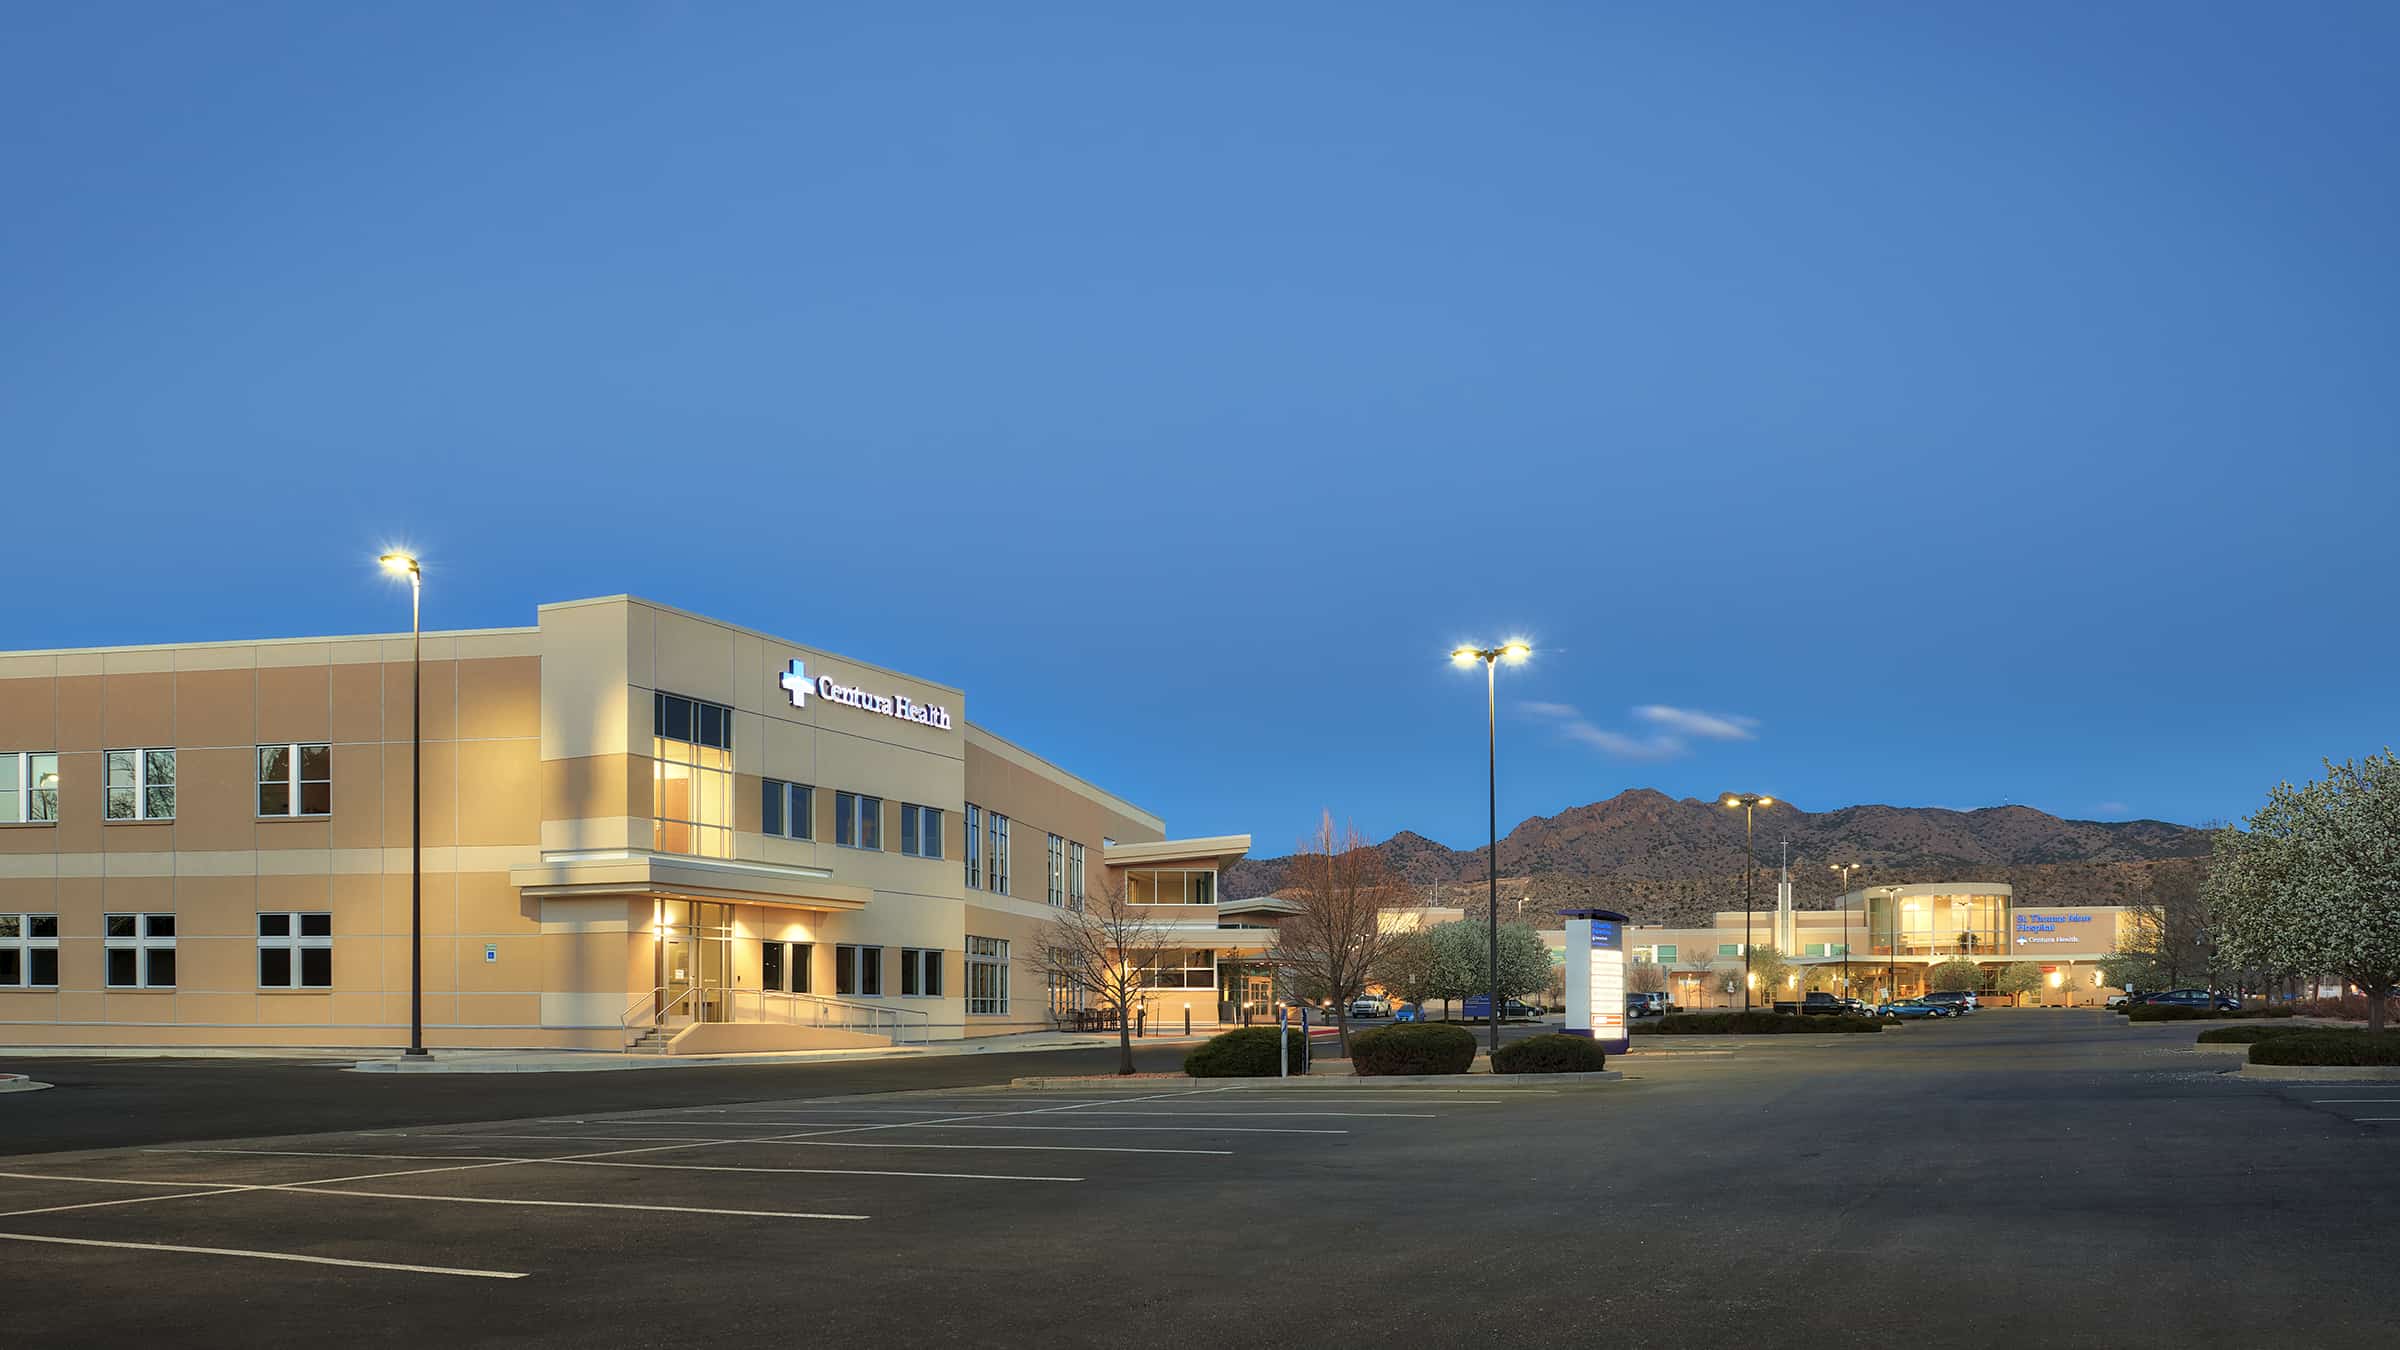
(1513,652)
(1891,964)
(1749,802)
(1847,870)
(402,562)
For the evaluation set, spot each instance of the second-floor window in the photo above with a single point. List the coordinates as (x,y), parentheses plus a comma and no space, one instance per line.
(141,784)
(974,847)
(1058,870)
(28,787)
(787,810)
(920,830)
(295,780)
(692,753)
(995,847)
(857,820)
(1075,876)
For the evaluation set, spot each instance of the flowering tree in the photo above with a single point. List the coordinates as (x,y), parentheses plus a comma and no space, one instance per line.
(1957,975)
(2314,883)
(2019,978)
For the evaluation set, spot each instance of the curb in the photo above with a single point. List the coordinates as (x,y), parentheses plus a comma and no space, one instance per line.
(1456,1082)
(17,1082)
(2325,1073)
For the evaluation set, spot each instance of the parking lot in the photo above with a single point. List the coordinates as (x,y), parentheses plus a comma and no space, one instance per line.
(2004,1177)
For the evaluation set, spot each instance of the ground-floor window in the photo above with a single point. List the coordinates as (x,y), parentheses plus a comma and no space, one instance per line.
(1181,968)
(987,976)
(858,970)
(295,951)
(28,951)
(141,950)
(920,973)
(783,966)
(1065,995)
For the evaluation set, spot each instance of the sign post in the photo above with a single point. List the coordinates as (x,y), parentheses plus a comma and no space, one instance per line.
(1596,977)
(1283,1040)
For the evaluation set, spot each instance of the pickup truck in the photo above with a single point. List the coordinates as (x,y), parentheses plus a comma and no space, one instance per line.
(1823,1003)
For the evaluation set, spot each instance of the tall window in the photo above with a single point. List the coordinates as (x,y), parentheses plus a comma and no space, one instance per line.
(987,976)
(920,973)
(858,970)
(857,820)
(28,951)
(295,951)
(1075,876)
(783,966)
(974,847)
(920,830)
(787,810)
(996,845)
(295,780)
(140,950)
(28,787)
(692,791)
(1057,855)
(141,784)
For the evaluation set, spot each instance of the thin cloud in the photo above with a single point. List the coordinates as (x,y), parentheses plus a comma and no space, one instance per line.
(1677,728)
(2114,809)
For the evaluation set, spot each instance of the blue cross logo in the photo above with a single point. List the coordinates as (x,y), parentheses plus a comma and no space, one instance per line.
(795,682)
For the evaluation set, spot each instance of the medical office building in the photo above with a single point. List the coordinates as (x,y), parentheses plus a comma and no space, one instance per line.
(641,827)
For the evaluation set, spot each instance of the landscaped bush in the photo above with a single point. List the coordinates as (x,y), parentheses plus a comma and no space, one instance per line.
(2328,1045)
(1551,1054)
(1759,1024)
(2245,1035)
(2349,1007)
(1247,1053)
(2168,1012)
(1392,1050)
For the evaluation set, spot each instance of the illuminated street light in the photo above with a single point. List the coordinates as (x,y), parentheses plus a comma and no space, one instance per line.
(405,564)
(1749,802)
(1514,651)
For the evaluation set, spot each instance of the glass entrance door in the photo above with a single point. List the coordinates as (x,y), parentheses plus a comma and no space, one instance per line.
(695,960)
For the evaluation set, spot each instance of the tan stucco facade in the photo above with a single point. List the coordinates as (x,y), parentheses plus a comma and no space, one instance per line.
(550,910)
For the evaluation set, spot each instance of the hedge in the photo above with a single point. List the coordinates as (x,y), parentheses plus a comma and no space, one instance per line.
(1412,1049)
(1757,1024)
(2245,1035)
(1247,1053)
(1551,1054)
(2318,1045)
(2170,1012)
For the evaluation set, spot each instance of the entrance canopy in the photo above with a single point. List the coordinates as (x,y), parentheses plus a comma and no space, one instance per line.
(585,875)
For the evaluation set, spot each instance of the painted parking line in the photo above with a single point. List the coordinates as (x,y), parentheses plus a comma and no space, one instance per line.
(1170,1112)
(325,1188)
(2354,1101)
(845,1143)
(600,1162)
(313,1189)
(255,1255)
(1122,1129)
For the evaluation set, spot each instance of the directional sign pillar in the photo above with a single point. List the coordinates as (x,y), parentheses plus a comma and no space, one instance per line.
(1595,958)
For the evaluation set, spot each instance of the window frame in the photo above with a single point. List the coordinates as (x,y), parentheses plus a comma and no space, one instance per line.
(1055,852)
(914,819)
(996,859)
(294,785)
(143,791)
(796,807)
(974,848)
(850,814)
(986,963)
(856,967)
(24,943)
(294,941)
(705,765)
(920,972)
(142,943)
(1075,875)
(22,777)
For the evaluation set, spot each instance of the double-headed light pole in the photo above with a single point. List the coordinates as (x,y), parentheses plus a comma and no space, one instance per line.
(1514,652)
(405,564)
(1749,802)
(1848,870)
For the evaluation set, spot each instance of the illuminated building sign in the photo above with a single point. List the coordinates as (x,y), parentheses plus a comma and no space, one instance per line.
(2050,929)
(795,681)
(1596,977)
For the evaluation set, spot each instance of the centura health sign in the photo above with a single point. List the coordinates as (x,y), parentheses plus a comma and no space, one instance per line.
(795,681)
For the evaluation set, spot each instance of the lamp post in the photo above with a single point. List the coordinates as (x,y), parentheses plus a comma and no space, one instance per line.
(1514,652)
(1749,802)
(399,564)
(1847,870)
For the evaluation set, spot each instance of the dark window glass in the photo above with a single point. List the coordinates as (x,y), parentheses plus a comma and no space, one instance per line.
(274,799)
(770,806)
(161,966)
(274,925)
(802,955)
(316,799)
(45,965)
(908,972)
(118,925)
(933,974)
(316,925)
(870,971)
(316,967)
(159,925)
(122,967)
(803,813)
(712,724)
(275,967)
(870,822)
(845,818)
(770,966)
(316,763)
(41,925)
(674,717)
(12,965)
(274,763)
(845,970)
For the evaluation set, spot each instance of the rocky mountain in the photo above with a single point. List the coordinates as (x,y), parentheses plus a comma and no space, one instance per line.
(1665,860)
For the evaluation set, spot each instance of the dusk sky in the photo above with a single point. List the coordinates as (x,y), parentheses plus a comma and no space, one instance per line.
(1876,403)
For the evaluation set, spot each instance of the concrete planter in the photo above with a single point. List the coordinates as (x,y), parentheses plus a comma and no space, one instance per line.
(2324,1073)
(1456,1082)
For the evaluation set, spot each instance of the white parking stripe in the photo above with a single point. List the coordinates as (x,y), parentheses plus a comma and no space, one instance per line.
(1170,1113)
(103,1204)
(596,1162)
(841,1143)
(324,1188)
(266,1256)
(1125,1129)
(310,1189)
(2355,1101)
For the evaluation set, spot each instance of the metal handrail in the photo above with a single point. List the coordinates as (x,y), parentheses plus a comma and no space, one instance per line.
(902,1025)
(647,1006)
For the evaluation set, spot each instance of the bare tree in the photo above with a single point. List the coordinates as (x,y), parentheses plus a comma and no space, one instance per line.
(1334,941)
(1102,950)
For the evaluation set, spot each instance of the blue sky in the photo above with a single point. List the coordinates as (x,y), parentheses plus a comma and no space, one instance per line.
(1901,403)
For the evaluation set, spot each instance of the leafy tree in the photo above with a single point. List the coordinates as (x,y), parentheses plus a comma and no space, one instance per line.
(1525,962)
(1956,975)
(1416,967)
(2314,883)
(1646,977)
(1767,968)
(2019,978)
(2130,969)
(1460,959)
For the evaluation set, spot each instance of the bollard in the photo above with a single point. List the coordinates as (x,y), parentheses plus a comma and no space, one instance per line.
(1187,1019)
(1141,1021)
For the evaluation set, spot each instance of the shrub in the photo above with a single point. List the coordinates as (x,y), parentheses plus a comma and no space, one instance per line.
(1247,1053)
(1761,1024)
(2326,1045)
(1416,1049)
(2244,1035)
(1551,1054)
(2167,1012)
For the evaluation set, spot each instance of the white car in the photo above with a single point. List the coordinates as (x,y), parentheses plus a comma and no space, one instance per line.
(1370,1006)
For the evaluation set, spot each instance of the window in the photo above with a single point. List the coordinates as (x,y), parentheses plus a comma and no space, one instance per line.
(996,845)
(987,976)
(1177,968)
(1666,954)
(974,847)
(140,950)
(141,784)
(787,810)
(857,820)
(295,951)
(920,830)
(858,970)
(1075,876)
(1058,870)
(920,973)
(28,951)
(295,780)
(1729,949)
(783,966)
(28,787)
(692,783)
(770,966)
(1149,887)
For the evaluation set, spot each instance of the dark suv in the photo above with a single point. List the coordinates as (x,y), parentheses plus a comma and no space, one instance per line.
(1959,999)
(2193,998)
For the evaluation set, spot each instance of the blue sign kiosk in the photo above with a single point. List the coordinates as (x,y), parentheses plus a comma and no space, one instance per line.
(1595,958)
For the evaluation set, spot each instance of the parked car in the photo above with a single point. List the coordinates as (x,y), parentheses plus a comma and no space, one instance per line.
(1963,1000)
(1648,1005)
(2120,998)
(1917,1007)
(1370,1005)
(2194,998)
(1480,1007)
